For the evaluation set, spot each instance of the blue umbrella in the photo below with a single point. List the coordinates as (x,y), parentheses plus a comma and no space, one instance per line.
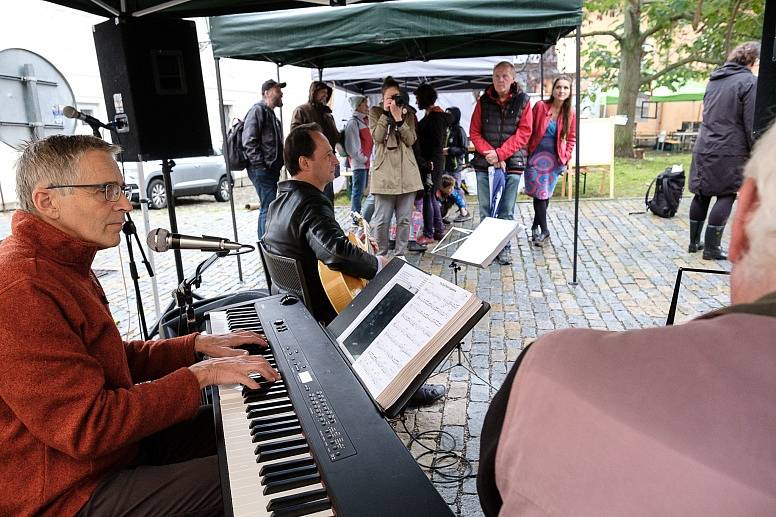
(497,180)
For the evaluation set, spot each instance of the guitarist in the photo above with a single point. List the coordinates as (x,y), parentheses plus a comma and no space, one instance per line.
(301,222)
(301,225)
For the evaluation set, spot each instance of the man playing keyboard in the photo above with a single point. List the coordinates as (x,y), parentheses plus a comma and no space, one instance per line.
(92,425)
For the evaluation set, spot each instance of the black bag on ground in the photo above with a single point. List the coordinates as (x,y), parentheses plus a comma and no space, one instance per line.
(238,160)
(669,186)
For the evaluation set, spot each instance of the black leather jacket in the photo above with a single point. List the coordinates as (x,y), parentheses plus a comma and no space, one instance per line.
(262,138)
(301,225)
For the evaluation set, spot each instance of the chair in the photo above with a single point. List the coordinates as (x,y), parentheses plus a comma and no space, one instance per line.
(661,141)
(284,275)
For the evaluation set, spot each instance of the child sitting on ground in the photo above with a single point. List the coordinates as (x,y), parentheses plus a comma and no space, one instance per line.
(448,196)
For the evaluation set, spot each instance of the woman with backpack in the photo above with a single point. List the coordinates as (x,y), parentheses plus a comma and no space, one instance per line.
(722,148)
(552,141)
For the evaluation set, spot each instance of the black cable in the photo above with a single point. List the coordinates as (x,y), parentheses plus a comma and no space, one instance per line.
(446,457)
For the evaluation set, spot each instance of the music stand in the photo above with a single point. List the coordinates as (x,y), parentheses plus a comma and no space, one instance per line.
(478,247)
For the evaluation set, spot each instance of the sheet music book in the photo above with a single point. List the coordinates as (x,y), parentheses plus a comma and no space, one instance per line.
(400,327)
(485,242)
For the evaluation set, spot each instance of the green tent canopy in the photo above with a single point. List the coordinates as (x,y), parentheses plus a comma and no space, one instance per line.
(692,91)
(389,32)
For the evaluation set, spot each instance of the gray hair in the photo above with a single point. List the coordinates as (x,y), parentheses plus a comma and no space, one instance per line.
(761,228)
(502,64)
(53,161)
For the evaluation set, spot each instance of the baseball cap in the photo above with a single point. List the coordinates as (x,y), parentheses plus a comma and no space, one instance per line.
(269,84)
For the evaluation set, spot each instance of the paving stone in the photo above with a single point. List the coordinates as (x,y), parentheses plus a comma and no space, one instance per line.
(455,412)
(470,506)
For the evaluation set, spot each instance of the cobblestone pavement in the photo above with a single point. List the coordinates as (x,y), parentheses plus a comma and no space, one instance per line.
(626,270)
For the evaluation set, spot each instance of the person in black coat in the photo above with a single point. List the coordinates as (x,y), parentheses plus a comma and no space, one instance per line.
(432,133)
(723,147)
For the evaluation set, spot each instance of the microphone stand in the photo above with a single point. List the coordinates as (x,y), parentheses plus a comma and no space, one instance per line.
(184,297)
(130,231)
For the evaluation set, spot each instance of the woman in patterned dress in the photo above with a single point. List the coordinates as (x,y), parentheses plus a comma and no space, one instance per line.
(550,147)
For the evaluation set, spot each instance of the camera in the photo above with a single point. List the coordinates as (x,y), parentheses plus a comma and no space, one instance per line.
(398,99)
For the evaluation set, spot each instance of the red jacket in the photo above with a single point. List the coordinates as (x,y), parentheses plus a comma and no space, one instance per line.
(541,119)
(513,143)
(71,411)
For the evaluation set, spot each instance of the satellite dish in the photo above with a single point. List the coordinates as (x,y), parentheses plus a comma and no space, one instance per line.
(32,95)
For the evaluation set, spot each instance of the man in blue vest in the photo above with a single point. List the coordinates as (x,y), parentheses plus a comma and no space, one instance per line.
(500,129)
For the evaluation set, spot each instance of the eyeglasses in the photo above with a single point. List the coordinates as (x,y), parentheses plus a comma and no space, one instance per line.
(112,191)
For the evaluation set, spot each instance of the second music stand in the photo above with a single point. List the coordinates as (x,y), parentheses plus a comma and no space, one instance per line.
(477,247)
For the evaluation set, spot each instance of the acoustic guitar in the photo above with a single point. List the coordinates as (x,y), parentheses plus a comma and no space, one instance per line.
(341,288)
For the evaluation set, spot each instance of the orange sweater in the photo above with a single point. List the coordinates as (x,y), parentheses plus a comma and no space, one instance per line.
(70,411)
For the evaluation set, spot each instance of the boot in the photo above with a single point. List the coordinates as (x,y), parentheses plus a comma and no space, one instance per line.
(695,236)
(713,250)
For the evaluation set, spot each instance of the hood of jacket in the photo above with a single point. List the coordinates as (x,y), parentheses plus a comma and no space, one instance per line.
(314,87)
(727,70)
(454,116)
(490,91)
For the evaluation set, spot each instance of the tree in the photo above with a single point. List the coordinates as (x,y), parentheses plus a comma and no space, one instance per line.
(663,43)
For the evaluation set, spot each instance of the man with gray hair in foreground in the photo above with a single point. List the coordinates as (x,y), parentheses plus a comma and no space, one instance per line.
(91,424)
(665,421)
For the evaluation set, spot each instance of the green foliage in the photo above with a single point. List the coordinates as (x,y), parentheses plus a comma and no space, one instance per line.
(721,25)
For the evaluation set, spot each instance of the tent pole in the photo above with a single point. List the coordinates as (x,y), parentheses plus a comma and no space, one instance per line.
(541,73)
(229,177)
(281,108)
(320,74)
(576,153)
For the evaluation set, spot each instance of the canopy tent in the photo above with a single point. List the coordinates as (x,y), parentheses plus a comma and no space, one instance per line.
(390,32)
(399,31)
(367,33)
(191,8)
(445,75)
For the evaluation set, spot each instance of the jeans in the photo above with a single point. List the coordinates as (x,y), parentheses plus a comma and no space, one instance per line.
(508,196)
(369,207)
(266,185)
(506,209)
(386,205)
(359,180)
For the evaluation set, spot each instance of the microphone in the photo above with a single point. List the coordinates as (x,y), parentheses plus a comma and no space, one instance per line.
(71,112)
(160,240)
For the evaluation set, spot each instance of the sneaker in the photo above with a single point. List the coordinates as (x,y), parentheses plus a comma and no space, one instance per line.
(427,394)
(414,246)
(535,234)
(446,220)
(439,236)
(423,240)
(541,239)
(463,216)
(504,257)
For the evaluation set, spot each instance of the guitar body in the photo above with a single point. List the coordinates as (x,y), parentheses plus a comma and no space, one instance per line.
(341,288)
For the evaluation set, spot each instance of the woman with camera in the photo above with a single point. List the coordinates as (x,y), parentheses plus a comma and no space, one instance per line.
(395,175)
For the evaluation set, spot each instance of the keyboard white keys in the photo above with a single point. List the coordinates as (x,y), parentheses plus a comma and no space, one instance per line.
(246,484)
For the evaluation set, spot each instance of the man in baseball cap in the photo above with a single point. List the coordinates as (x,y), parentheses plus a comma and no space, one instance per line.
(262,140)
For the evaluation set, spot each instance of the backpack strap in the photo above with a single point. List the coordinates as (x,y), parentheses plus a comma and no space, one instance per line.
(646,196)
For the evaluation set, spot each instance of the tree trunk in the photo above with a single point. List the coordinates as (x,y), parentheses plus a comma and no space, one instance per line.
(629,80)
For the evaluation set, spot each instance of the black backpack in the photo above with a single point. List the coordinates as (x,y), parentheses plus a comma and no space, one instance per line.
(340,146)
(669,186)
(238,160)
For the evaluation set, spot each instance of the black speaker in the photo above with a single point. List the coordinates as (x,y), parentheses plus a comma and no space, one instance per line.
(765,106)
(152,75)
